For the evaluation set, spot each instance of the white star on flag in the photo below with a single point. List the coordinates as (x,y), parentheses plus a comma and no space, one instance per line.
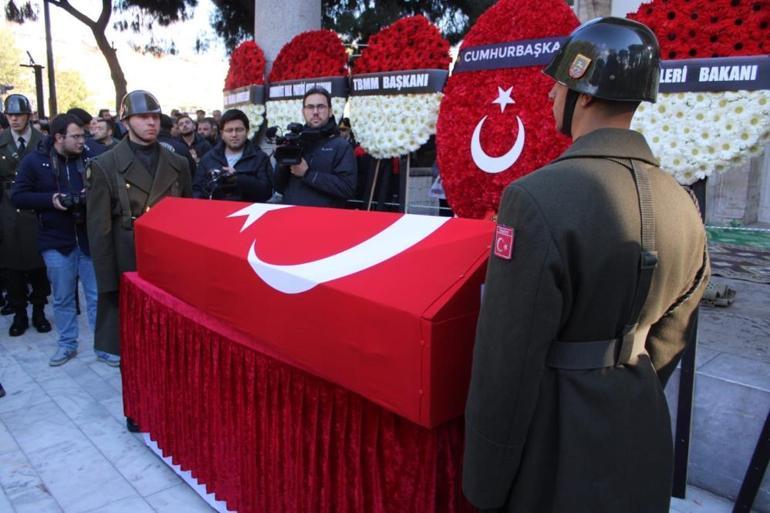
(504,97)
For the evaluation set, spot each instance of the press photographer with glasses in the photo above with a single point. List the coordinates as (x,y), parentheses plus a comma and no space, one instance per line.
(235,169)
(326,175)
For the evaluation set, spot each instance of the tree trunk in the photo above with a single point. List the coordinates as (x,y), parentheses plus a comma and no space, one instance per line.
(98,28)
(590,9)
(116,72)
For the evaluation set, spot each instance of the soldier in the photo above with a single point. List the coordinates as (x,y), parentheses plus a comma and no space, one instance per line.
(123,184)
(597,266)
(19,254)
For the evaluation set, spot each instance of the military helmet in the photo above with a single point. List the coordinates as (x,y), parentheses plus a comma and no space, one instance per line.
(139,102)
(17,104)
(609,58)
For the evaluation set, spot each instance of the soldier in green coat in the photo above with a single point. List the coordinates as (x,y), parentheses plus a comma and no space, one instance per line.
(19,255)
(597,267)
(123,184)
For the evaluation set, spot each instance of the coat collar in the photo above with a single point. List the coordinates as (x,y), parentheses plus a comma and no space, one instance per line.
(6,139)
(611,143)
(165,176)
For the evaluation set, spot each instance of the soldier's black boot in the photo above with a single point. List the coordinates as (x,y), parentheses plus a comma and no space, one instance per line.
(20,323)
(39,321)
(132,426)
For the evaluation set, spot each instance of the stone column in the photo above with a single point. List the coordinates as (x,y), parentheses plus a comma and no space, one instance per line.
(276,22)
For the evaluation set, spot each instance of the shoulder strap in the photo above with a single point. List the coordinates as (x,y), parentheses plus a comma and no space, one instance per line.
(126,217)
(598,354)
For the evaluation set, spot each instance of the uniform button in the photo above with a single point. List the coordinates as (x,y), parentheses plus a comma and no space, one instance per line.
(128,186)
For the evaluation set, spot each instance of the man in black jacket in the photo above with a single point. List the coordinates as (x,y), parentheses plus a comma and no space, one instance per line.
(235,169)
(326,177)
(51,182)
(197,145)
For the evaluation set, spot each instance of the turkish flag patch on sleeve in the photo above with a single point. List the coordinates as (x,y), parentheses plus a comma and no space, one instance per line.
(504,242)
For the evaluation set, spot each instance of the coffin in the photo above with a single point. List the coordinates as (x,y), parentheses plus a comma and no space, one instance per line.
(382,304)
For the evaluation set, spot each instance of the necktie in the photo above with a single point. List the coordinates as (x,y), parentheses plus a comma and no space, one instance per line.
(21,145)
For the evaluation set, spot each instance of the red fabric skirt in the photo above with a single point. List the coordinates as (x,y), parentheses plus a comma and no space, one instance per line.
(266,437)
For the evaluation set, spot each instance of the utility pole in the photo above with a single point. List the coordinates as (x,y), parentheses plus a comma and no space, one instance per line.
(38,70)
(49,54)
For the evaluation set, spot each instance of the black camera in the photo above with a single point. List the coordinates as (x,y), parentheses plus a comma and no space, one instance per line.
(291,145)
(76,204)
(218,179)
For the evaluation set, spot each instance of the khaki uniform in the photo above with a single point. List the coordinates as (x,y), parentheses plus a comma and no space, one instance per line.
(541,439)
(121,189)
(18,229)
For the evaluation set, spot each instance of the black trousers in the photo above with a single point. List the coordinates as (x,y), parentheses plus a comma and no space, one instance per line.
(19,283)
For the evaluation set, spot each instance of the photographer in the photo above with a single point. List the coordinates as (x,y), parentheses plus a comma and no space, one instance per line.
(235,169)
(326,175)
(50,181)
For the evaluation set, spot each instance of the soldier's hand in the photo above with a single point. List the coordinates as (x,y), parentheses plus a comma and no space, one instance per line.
(299,169)
(56,203)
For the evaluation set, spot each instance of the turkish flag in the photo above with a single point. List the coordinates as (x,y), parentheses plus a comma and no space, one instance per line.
(383,304)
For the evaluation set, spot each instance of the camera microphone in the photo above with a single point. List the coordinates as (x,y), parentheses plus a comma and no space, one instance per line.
(270,133)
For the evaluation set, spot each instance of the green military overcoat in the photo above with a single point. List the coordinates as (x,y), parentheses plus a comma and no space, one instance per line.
(110,241)
(542,440)
(18,228)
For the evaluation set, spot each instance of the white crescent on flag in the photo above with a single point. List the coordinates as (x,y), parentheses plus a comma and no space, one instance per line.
(407,231)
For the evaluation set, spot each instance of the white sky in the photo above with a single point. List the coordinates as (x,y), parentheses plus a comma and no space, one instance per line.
(186,80)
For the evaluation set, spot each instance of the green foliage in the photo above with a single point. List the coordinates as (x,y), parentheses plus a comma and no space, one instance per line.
(71,91)
(10,58)
(357,20)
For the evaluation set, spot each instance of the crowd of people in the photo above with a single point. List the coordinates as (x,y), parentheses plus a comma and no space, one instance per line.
(73,186)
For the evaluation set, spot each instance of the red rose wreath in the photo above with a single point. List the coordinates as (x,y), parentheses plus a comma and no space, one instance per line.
(313,54)
(247,68)
(695,134)
(390,125)
(505,99)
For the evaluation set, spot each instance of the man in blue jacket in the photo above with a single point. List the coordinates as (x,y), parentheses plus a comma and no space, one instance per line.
(326,176)
(235,169)
(50,181)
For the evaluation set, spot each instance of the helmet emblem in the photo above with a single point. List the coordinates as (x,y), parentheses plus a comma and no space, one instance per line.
(579,66)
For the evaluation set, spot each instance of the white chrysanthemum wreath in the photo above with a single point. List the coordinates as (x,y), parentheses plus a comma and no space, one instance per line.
(697,134)
(391,126)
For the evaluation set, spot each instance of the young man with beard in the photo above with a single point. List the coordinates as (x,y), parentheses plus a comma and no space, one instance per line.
(51,181)
(188,134)
(19,254)
(123,184)
(326,176)
(597,267)
(103,132)
(235,169)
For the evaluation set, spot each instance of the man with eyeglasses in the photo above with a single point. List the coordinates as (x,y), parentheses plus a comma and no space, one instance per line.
(326,176)
(19,256)
(122,185)
(51,182)
(235,169)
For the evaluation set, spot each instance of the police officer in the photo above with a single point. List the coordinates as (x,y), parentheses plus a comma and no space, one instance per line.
(19,254)
(597,267)
(123,184)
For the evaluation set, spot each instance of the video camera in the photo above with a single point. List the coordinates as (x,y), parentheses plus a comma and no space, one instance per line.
(75,203)
(291,145)
(218,178)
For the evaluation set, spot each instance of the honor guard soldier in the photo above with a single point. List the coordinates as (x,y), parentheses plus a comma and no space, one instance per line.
(123,184)
(19,255)
(597,267)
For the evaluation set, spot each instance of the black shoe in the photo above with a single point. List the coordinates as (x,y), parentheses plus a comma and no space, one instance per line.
(132,426)
(20,324)
(39,321)
(7,309)
(2,390)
